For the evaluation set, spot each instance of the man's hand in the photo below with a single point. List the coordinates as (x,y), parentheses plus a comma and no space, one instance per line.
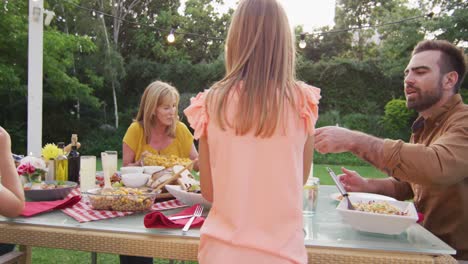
(333,139)
(353,182)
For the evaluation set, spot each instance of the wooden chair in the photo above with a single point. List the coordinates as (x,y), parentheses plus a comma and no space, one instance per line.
(11,257)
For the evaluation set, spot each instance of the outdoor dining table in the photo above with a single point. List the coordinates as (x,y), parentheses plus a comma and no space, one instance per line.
(327,238)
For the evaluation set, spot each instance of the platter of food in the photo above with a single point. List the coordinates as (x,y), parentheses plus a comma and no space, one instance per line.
(167,161)
(158,172)
(121,198)
(338,197)
(48,190)
(378,216)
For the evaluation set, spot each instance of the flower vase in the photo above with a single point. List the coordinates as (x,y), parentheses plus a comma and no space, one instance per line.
(50,175)
(24,179)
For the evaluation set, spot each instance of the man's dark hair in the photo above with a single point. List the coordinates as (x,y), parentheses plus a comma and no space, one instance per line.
(452,58)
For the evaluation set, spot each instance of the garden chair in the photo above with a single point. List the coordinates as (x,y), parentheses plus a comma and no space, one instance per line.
(11,257)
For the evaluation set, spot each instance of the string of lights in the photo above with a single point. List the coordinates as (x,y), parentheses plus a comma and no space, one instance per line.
(172,31)
(302,36)
(170,37)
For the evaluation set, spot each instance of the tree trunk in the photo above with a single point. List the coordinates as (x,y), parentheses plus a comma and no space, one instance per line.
(114,95)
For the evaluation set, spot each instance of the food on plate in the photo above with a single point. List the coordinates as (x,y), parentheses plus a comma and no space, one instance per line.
(195,188)
(44,185)
(159,178)
(163,160)
(379,207)
(166,177)
(362,195)
(121,199)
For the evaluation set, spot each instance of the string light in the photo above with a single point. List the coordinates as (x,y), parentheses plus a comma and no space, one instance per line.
(188,34)
(429,15)
(302,43)
(171,37)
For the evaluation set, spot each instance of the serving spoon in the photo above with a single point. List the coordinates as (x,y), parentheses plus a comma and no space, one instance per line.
(341,188)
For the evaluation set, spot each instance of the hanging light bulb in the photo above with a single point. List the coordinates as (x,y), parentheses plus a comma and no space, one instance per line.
(94,13)
(302,43)
(171,37)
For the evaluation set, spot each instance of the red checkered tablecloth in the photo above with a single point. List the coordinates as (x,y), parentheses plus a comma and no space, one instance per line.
(83,211)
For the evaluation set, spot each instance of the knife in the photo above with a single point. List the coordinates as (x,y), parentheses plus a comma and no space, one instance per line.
(179,217)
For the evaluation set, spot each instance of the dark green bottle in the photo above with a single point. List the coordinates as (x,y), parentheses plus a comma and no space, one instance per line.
(74,161)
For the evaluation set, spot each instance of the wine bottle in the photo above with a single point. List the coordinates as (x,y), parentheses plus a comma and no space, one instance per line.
(74,161)
(61,166)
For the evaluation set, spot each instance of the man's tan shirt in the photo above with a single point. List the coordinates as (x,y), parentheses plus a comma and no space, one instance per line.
(435,164)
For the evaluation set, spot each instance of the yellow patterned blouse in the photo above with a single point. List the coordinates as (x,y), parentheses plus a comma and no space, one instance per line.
(180,146)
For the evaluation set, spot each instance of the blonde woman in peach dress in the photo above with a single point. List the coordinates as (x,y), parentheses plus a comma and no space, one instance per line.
(255,130)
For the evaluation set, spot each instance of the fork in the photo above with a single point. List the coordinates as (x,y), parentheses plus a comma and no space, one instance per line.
(198,212)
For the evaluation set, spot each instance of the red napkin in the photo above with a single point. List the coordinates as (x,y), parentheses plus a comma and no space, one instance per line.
(420,218)
(34,208)
(159,220)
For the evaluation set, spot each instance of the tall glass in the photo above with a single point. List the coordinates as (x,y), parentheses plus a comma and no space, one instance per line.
(109,162)
(87,173)
(310,194)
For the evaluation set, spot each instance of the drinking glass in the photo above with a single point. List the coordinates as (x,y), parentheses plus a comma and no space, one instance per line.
(109,162)
(310,196)
(87,173)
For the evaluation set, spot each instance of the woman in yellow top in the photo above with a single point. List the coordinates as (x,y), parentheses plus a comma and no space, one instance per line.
(156,128)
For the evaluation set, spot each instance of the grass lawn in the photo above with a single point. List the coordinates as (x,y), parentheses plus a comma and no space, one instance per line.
(47,255)
(365,171)
(61,256)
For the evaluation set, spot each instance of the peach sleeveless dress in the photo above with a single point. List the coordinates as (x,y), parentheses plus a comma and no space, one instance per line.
(256,216)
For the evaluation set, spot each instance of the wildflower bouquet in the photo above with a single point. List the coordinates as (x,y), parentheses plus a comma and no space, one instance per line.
(32,168)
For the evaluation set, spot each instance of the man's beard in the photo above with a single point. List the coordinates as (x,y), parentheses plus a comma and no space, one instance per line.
(426,99)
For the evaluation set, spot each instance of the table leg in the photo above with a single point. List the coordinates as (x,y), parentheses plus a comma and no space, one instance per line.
(27,254)
(93,258)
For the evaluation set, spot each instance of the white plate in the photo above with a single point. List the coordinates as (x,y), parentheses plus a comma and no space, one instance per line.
(188,198)
(338,197)
(375,222)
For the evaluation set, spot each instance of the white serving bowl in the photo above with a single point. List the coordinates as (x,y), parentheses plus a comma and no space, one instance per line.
(376,222)
(135,180)
(188,198)
(152,169)
(131,169)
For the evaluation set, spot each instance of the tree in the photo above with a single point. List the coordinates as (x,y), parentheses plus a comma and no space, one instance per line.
(324,45)
(201,18)
(62,86)
(363,15)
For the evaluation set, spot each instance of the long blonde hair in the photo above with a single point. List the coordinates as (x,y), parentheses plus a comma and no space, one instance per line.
(155,95)
(259,52)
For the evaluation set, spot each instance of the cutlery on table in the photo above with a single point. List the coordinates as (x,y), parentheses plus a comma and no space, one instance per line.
(198,212)
(179,217)
(342,190)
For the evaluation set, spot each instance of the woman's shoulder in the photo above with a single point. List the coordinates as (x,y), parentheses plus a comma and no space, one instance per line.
(135,128)
(181,126)
(135,125)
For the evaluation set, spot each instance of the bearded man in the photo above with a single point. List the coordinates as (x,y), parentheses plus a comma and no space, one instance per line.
(433,168)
